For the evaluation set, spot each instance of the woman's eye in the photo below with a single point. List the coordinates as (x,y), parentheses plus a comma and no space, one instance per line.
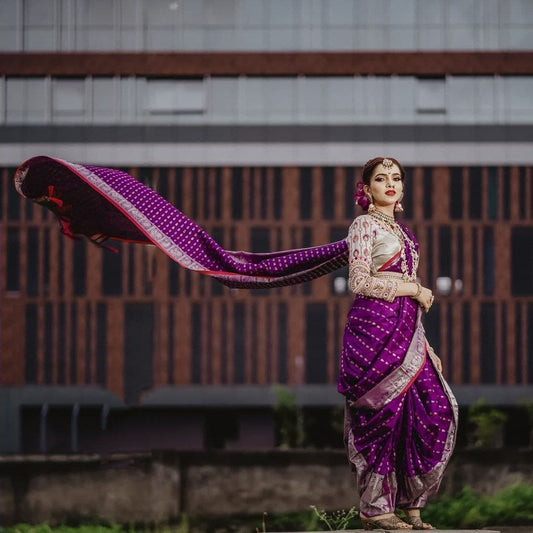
(397,178)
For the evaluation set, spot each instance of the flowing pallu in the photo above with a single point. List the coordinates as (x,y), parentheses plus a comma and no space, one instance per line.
(401,416)
(103,203)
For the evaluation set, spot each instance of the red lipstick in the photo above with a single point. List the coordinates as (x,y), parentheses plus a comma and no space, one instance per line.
(390,193)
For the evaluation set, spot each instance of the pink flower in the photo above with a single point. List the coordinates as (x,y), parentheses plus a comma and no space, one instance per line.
(360,196)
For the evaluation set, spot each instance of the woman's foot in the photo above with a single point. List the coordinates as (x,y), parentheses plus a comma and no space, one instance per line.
(385,521)
(412,516)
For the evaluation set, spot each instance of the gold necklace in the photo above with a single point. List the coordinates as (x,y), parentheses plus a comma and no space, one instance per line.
(393,227)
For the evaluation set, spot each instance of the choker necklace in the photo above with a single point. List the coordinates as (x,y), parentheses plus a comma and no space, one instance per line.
(408,274)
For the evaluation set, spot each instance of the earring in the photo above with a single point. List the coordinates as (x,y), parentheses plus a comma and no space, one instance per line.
(398,207)
(371,206)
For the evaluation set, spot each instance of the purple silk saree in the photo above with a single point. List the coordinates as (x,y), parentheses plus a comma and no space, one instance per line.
(400,415)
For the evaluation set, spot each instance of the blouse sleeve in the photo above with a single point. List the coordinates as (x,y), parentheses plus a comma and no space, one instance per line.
(361,237)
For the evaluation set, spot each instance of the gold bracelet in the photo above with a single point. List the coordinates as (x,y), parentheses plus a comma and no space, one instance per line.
(418,291)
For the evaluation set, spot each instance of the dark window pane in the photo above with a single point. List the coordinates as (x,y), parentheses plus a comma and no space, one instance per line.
(170,344)
(456,193)
(488,343)
(260,240)
(162,183)
(466,343)
(305,190)
(178,188)
(112,271)
(46,261)
(492,204)
(32,266)
(239,343)
(173,278)
(530,342)
(328,192)
(218,194)
(88,342)
(316,343)
(61,345)
(138,350)
(73,343)
(522,197)
(445,251)
(31,344)
(13,200)
(278,195)
(13,259)
(282,343)
(264,195)
(80,268)
(196,341)
(506,193)
(475,184)
(428,193)
(488,261)
(522,261)
(236,194)
(48,343)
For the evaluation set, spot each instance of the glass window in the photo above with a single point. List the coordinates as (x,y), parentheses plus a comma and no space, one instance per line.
(68,97)
(13,260)
(316,336)
(430,95)
(521,260)
(175,96)
(138,349)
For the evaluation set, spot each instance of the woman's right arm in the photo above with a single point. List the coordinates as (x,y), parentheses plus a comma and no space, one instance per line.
(360,280)
(360,240)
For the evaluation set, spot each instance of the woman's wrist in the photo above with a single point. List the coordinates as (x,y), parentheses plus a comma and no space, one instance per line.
(418,290)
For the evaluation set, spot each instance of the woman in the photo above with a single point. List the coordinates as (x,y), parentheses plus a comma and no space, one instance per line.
(401,416)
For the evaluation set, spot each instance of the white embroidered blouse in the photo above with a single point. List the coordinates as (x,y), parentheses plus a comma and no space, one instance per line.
(370,247)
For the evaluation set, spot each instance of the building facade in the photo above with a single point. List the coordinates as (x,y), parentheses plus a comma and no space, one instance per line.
(254,118)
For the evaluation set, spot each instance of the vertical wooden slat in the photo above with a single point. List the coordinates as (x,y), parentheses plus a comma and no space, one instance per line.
(296,341)
(456,369)
(261,346)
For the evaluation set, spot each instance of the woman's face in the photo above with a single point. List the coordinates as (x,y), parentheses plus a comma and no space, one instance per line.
(386,185)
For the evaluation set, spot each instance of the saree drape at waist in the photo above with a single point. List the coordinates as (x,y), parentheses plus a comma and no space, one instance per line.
(401,416)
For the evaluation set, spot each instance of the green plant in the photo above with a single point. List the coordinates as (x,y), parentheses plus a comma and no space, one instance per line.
(487,425)
(289,418)
(337,520)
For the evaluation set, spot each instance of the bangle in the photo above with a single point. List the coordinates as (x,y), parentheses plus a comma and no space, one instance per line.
(419,290)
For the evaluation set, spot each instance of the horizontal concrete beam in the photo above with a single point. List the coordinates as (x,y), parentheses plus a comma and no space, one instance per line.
(187,64)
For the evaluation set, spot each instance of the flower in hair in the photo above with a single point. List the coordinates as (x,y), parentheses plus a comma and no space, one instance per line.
(360,196)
